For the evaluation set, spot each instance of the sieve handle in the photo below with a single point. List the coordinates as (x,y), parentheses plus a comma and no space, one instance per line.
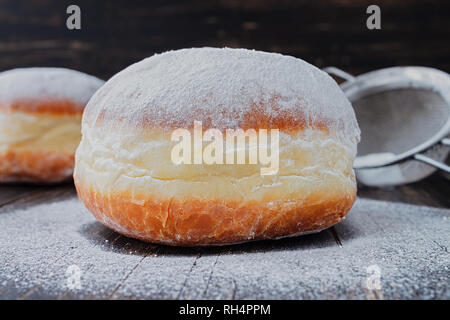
(339,73)
(432,162)
(439,165)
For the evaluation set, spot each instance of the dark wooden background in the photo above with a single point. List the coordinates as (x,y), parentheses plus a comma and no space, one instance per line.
(115,34)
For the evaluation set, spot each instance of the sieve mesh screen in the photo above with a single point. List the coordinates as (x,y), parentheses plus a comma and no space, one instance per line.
(398,120)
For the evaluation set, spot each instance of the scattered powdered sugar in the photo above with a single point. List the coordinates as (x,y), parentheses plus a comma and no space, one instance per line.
(219,87)
(47,83)
(41,245)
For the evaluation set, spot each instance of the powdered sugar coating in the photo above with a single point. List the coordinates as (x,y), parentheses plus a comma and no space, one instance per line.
(47,84)
(220,87)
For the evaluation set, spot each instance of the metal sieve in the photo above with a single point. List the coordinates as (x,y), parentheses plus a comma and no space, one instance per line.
(404,117)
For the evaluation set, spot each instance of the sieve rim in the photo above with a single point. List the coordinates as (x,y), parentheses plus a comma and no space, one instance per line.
(401,78)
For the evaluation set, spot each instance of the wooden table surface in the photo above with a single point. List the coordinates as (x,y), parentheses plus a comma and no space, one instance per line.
(47,232)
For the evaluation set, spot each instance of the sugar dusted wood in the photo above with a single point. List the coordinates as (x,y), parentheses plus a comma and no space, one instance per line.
(47,230)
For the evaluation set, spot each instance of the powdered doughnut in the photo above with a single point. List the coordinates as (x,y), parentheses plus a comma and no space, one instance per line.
(126,176)
(40,122)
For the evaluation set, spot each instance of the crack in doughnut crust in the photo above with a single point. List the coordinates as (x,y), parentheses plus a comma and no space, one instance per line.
(125,176)
(40,122)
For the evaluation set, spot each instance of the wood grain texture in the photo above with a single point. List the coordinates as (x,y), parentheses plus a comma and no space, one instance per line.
(45,234)
(9,193)
(115,34)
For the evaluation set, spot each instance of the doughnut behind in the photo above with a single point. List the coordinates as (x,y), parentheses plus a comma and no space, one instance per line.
(40,122)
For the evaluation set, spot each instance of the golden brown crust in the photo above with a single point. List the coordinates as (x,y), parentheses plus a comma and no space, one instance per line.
(212,222)
(35,166)
(258,117)
(40,106)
